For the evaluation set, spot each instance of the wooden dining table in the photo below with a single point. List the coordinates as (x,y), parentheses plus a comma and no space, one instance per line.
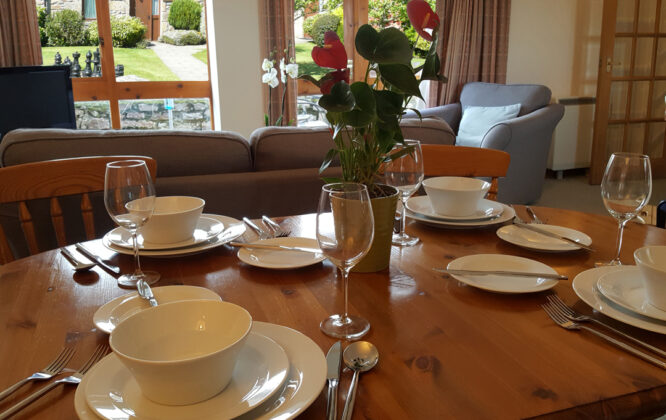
(447,350)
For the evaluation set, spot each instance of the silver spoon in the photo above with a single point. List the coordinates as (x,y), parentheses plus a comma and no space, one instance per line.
(76,263)
(360,356)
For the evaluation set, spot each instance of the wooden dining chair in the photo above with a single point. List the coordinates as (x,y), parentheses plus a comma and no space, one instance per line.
(53,180)
(445,160)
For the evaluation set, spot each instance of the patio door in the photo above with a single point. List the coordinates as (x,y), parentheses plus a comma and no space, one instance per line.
(631,85)
(144,11)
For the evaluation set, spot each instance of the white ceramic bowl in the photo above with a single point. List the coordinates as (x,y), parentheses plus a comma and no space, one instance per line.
(455,195)
(174,219)
(182,353)
(652,262)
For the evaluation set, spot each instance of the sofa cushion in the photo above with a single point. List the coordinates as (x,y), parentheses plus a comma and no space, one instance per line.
(178,153)
(530,97)
(277,148)
(477,120)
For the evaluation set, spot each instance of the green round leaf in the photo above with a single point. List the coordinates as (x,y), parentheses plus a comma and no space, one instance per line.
(366,41)
(339,100)
(365,99)
(401,76)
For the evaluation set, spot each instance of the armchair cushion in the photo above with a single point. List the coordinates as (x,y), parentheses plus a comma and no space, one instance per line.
(477,120)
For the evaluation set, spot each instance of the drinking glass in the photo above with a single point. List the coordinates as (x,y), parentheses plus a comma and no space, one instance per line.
(129,197)
(345,229)
(625,189)
(405,172)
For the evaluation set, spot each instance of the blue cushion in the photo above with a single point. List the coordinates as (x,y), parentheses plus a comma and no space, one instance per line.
(477,120)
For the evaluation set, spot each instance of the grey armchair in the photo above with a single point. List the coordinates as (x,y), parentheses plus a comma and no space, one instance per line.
(526,137)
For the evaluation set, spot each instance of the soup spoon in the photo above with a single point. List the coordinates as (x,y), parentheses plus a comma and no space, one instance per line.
(360,356)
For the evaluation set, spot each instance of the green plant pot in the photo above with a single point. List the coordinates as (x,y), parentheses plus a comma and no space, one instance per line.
(379,256)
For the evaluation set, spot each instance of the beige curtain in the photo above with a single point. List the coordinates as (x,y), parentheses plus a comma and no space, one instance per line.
(474,42)
(19,34)
(279,35)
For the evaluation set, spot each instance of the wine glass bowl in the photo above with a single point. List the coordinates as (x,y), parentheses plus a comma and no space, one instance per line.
(129,198)
(404,171)
(345,230)
(625,189)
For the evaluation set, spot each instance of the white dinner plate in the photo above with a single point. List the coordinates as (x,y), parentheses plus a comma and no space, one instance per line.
(534,240)
(503,283)
(625,287)
(507,214)
(111,313)
(421,205)
(206,229)
(282,259)
(233,229)
(306,378)
(585,286)
(261,369)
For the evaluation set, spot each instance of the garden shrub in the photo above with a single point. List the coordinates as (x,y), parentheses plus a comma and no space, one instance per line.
(65,28)
(308,23)
(340,30)
(41,21)
(185,14)
(325,22)
(126,32)
(92,36)
(182,38)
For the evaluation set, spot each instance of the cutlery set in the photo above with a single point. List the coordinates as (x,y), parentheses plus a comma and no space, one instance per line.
(53,369)
(520,223)
(276,231)
(360,356)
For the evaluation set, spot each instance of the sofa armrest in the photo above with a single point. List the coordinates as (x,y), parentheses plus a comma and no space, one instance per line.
(512,133)
(451,113)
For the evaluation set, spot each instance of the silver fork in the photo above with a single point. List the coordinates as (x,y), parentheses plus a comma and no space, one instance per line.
(75,379)
(560,319)
(259,231)
(578,317)
(54,368)
(533,215)
(76,263)
(278,231)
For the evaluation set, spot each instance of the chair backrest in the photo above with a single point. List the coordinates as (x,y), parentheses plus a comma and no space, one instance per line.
(661,214)
(444,160)
(530,97)
(50,180)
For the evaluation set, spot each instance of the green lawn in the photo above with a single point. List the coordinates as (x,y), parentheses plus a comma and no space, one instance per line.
(307,66)
(140,62)
(201,55)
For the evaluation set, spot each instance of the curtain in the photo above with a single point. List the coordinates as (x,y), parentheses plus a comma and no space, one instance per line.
(473,45)
(19,34)
(279,36)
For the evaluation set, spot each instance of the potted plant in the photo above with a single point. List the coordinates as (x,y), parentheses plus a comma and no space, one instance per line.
(365,116)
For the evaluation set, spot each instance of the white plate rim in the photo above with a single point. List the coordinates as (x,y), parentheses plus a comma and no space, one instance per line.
(268,347)
(245,255)
(506,233)
(540,267)
(307,372)
(634,277)
(507,214)
(102,316)
(215,226)
(419,200)
(584,285)
(229,223)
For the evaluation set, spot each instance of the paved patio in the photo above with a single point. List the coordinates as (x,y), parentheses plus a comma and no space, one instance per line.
(180,60)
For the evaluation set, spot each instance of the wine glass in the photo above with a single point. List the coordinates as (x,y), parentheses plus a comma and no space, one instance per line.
(345,229)
(625,189)
(405,172)
(129,197)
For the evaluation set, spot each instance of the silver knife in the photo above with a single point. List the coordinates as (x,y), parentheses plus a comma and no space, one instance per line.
(276,247)
(553,235)
(146,292)
(333,377)
(115,271)
(550,276)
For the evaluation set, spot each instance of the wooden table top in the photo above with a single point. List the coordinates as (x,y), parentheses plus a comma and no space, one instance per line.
(447,350)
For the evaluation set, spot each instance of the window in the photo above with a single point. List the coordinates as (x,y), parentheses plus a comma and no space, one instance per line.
(89,9)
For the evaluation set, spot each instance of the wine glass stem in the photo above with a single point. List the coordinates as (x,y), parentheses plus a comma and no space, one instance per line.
(135,247)
(620,231)
(402,216)
(345,284)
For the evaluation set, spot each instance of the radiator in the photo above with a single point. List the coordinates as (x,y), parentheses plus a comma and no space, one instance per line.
(571,147)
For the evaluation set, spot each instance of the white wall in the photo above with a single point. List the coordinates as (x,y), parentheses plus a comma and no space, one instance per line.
(235,64)
(555,43)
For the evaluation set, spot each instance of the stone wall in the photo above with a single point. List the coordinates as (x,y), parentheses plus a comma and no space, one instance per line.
(147,114)
(116,7)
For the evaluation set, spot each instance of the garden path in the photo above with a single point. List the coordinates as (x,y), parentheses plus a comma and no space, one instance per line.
(180,60)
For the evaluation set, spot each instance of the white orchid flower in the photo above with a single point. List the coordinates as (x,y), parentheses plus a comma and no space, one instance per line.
(283,74)
(267,64)
(292,70)
(270,78)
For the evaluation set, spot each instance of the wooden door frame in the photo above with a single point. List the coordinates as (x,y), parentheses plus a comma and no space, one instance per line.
(106,88)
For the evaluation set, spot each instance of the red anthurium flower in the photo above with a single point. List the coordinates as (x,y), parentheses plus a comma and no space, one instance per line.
(422,17)
(327,82)
(332,54)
